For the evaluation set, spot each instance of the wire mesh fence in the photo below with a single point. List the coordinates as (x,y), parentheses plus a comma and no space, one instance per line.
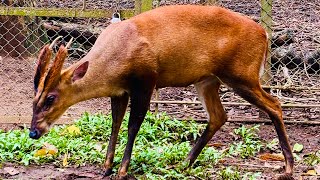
(292,72)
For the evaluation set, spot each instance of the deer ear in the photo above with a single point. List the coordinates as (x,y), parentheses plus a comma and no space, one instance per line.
(80,71)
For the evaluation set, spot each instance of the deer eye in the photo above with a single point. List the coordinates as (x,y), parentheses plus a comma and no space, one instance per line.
(49,101)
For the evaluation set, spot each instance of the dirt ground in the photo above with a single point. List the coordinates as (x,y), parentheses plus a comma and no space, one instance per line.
(307,135)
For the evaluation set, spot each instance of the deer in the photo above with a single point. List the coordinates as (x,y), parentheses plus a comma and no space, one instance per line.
(172,46)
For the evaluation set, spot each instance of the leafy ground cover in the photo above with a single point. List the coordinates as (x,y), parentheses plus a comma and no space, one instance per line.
(159,152)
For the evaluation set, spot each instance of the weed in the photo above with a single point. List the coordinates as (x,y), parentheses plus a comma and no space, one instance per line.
(250,143)
(273,145)
(159,153)
(312,159)
(231,173)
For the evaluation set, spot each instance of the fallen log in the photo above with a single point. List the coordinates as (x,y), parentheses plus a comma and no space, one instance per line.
(284,37)
(79,33)
(286,56)
(83,38)
(313,62)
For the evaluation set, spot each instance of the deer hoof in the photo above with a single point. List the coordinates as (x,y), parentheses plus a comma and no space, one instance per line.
(108,172)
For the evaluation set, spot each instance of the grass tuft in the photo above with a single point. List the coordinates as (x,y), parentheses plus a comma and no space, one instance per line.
(159,152)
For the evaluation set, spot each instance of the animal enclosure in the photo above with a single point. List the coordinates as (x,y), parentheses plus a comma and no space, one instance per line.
(237,151)
(292,71)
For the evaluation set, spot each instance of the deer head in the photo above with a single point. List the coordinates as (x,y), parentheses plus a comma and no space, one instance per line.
(53,88)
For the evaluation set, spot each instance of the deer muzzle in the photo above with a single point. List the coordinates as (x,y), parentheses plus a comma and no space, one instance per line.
(36,129)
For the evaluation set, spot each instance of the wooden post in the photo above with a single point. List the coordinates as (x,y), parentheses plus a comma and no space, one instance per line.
(142,6)
(212,2)
(266,22)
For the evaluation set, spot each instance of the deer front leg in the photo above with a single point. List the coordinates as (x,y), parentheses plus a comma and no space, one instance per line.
(118,107)
(140,101)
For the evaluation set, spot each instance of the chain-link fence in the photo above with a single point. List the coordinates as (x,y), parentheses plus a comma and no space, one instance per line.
(292,73)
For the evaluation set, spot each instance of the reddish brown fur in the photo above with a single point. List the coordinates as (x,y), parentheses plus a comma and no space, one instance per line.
(165,47)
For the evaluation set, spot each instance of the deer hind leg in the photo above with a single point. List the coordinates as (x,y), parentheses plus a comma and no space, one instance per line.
(118,107)
(208,94)
(251,91)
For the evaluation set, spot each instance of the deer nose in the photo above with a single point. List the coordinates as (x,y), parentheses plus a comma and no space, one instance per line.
(34,134)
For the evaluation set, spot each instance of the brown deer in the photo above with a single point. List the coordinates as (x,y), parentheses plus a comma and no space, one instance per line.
(172,46)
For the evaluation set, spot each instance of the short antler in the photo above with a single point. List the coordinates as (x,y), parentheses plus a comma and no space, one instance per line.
(43,64)
(69,43)
(55,70)
(54,42)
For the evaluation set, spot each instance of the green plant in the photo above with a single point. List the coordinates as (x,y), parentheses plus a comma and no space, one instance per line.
(160,148)
(297,148)
(250,143)
(312,159)
(273,145)
(159,152)
(251,176)
(231,173)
